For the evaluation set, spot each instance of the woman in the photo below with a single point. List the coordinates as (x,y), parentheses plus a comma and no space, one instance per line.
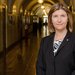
(57,51)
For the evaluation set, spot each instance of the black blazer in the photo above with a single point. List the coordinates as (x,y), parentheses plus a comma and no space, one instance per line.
(63,63)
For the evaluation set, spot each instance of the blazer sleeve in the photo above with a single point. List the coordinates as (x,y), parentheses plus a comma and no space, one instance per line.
(73,73)
(40,64)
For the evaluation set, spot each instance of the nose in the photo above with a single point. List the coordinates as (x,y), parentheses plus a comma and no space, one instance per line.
(59,19)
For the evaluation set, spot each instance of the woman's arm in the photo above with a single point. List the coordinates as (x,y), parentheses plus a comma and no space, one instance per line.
(73,73)
(40,65)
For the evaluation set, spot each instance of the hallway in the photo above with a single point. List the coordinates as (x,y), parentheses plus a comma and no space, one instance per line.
(28,48)
(23,23)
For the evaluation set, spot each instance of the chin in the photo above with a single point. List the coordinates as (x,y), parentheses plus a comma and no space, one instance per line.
(60,29)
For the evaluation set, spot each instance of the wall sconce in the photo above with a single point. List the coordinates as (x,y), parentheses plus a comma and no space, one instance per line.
(31,13)
(40,1)
(42,6)
(21,10)
(25,12)
(14,9)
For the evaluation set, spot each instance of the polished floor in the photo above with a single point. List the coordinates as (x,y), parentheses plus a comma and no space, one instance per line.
(21,60)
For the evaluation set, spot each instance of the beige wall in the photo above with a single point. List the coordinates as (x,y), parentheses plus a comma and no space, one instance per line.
(73,3)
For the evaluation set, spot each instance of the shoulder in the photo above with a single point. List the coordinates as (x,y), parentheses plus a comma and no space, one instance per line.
(46,41)
(49,37)
(72,36)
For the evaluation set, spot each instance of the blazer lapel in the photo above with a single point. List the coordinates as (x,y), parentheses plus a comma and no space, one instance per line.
(49,53)
(50,45)
(65,41)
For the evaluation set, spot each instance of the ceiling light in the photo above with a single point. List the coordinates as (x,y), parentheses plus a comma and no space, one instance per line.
(42,7)
(40,1)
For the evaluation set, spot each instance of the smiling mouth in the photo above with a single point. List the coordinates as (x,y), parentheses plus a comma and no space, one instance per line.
(59,24)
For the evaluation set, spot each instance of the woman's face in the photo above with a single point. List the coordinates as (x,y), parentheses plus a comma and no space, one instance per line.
(59,19)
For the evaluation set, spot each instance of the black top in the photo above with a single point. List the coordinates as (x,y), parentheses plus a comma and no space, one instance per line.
(63,63)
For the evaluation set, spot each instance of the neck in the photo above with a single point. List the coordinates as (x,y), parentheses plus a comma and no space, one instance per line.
(61,32)
(59,35)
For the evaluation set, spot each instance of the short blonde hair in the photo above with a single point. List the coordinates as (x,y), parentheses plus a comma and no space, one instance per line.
(65,8)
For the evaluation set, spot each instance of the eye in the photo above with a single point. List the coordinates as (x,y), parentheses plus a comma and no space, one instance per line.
(63,15)
(55,15)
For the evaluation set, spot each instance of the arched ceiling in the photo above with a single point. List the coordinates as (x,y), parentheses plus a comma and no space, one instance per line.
(35,2)
(39,11)
(35,7)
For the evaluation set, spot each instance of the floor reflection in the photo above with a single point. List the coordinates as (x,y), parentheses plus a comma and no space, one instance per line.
(22,58)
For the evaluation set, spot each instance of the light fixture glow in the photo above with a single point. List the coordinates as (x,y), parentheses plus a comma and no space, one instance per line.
(42,7)
(40,1)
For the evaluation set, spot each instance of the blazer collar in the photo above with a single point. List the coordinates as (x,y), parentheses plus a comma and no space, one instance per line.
(65,41)
(50,44)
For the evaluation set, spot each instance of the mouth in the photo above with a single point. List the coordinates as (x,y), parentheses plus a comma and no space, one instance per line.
(59,24)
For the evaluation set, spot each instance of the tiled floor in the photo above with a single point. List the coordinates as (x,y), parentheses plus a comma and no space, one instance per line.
(22,60)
